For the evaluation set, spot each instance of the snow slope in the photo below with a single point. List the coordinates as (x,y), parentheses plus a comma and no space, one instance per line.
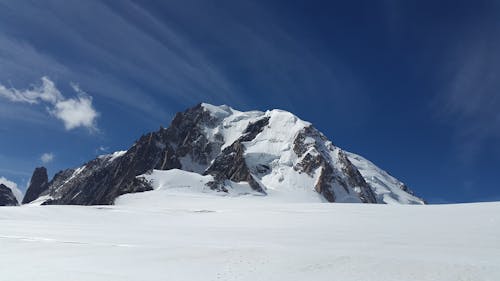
(166,182)
(178,182)
(204,236)
(388,189)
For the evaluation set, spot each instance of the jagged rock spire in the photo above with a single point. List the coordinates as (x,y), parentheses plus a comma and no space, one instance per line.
(38,184)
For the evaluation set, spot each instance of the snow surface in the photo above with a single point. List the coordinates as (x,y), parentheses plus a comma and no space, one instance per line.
(178,182)
(13,187)
(166,182)
(202,236)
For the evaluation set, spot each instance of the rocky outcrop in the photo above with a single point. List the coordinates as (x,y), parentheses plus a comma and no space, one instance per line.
(39,184)
(187,135)
(7,198)
(317,155)
(231,164)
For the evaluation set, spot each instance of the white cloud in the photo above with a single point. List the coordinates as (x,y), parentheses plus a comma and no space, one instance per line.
(47,158)
(13,186)
(46,92)
(74,112)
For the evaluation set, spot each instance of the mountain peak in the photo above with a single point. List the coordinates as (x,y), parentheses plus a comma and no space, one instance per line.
(218,111)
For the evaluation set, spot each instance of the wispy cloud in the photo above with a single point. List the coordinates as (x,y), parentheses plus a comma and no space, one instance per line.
(74,112)
(141,59)
(140,62)
(470,101)
(47,157)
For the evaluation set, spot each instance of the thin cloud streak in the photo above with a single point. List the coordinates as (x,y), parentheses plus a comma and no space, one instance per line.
(470,102)
(183,75)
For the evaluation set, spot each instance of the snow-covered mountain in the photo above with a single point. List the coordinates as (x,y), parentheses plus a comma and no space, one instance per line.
(219,149)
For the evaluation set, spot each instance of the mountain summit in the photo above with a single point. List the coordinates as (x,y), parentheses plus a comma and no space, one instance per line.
(261,153)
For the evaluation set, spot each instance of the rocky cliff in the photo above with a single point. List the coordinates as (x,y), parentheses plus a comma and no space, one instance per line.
(7,198)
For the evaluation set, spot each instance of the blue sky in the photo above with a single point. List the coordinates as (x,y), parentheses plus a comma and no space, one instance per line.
(414,86)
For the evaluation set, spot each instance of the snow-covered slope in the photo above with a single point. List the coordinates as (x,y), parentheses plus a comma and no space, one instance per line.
(173,183)
(388,189)
(275,153)
(204,236)
(175,180)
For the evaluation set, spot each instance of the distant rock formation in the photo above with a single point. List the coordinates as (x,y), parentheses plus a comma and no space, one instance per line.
(38,184)
(7,198)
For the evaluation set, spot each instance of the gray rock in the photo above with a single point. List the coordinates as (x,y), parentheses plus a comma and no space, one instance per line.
(7,198)
(39,183)
(349,176)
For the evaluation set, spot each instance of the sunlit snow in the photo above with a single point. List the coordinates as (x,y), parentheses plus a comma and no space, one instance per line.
(183,234)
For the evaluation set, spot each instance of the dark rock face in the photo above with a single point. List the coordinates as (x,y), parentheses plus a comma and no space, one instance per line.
(186,135)
(39,183)
(7,198)
(354,178)
(101,180)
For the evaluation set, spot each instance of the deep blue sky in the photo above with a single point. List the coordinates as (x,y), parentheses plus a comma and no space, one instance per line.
(414,86)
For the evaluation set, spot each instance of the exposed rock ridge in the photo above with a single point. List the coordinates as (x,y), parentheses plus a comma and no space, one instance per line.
(316,154)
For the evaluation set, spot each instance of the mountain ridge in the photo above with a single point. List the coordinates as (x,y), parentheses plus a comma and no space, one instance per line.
(272,150)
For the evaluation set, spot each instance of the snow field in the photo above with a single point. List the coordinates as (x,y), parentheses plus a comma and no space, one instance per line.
(174,234)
